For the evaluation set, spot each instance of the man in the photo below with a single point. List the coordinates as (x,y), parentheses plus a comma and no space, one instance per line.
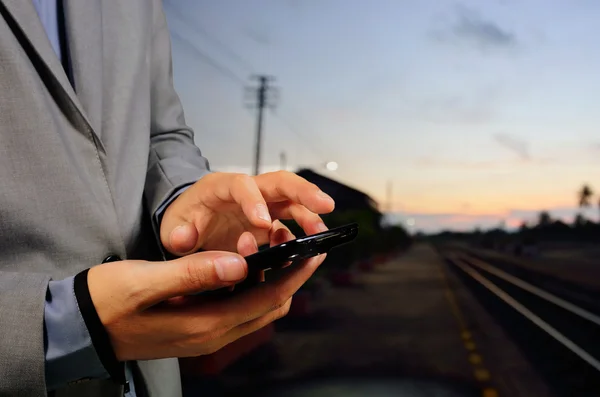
(99,175)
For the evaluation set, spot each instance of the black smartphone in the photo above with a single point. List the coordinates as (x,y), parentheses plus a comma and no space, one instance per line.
(292,251)
(301,248)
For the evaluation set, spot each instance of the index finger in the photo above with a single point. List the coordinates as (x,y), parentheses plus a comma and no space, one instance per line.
(243,190)
(283,185)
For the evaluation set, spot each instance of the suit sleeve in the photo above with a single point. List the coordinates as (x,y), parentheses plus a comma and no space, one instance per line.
(174,161)
(22,298)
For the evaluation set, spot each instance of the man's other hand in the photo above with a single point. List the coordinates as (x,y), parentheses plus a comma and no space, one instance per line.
(214,212)
(149,309)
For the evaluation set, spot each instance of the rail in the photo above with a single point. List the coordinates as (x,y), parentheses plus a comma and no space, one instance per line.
(554,318)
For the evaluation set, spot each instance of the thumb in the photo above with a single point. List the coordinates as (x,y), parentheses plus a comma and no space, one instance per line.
(178,233)
(189,275)
(182,238)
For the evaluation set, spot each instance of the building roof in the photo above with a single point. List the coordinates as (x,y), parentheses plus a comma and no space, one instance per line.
(339,191)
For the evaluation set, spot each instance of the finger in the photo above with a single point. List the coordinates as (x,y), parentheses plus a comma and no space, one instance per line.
(282,186)
(154,282)
(247,244)
(178,231)
(211,332)
(233,318)
(266,319)
(242,189)
(183,239)
(310,222)
(254,325)
(279,234)
(270,296)
(183,218)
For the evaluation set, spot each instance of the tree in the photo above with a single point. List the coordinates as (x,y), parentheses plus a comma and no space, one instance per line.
(524,227)
(544,219)
(579,221)
(585,194)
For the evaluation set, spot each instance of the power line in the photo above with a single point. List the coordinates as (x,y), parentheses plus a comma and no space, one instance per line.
(304,139)
(225,71)
(203,32)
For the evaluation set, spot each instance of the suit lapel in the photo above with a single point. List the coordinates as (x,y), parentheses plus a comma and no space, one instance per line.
(25,17)
(84,35)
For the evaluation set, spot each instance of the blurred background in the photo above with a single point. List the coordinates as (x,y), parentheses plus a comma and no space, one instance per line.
(461,136)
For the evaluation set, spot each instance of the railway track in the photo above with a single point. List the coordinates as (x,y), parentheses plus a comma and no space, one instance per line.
(557,328)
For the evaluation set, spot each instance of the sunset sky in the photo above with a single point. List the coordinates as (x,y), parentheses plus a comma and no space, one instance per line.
(477,111)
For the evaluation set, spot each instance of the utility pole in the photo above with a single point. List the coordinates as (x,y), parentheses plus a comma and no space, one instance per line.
(262,101)
(282,159)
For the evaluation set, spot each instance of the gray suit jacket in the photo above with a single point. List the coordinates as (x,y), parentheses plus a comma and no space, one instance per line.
(81,173)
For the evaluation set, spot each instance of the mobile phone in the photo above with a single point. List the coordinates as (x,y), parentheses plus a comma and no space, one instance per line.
(301,248)
(291,251)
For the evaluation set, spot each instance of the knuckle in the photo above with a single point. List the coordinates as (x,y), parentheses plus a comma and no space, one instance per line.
(282,175)
(203,338)
(284,310)
(193,275)
(278,298)
(221,325)
(211,177)
(212,348)
(136,292)
(243,179)
(207,348)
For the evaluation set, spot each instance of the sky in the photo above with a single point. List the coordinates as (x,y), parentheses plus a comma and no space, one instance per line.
(477,112)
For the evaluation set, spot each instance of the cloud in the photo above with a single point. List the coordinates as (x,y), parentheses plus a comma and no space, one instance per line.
(513,143)
(434,162)
(475,109)
(258,35)
(471,28)
(594,147)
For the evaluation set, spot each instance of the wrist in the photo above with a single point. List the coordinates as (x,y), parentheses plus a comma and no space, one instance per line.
(97,331)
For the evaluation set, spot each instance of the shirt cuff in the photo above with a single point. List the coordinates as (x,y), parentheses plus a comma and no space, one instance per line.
(69,353)
(159,212)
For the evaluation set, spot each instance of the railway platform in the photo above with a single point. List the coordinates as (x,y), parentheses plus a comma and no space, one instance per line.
(412,327)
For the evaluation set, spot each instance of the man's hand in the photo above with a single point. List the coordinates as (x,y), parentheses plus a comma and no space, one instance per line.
(214,212)
(148,312)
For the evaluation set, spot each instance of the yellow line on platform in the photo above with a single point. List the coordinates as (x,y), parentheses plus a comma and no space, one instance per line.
(489,392)
(480,373)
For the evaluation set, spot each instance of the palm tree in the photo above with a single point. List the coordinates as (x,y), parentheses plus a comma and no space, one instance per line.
(585,194)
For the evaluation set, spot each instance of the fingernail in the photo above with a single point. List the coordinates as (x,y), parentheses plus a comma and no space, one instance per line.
(324,195)
(321,227)
(263,212)
(229,268)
